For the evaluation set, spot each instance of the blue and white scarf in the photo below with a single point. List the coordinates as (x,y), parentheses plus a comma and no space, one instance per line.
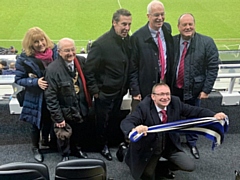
(209,127)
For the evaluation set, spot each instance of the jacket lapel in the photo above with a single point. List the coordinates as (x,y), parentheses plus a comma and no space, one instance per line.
(154,114)
(170,112)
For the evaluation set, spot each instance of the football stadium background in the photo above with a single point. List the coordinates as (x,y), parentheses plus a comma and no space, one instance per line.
(83,20)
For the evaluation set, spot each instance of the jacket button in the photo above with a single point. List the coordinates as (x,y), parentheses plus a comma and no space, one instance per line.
(146,159)
(151,149)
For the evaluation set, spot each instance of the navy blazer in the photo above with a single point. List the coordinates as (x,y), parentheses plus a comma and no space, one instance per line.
(144,69)
(140,152)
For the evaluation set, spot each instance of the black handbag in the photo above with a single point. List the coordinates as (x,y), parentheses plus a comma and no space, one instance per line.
(20,96)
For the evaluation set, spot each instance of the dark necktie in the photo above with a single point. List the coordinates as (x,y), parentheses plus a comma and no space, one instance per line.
(70,68)
(180,78)
(164,116)
(161,56)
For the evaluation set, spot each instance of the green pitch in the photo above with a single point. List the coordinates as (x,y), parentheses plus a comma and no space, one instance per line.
(88,19)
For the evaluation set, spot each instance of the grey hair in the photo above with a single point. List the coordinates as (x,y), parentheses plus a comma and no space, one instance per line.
(151,4)
(62,40)
(120,12)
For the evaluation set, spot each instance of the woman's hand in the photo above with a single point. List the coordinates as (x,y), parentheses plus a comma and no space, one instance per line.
(42,84)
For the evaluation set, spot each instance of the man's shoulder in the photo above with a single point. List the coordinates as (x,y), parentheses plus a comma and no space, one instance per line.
(203,37)
(146,101)
(141,30)
(176,37)
(167,25)
(175,98)
(54,66)
(103,37)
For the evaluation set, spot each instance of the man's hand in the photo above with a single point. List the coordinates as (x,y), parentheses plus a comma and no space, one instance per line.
(202,95)
(220,116)
(61,125)
(141,129)
(137,97)
(96,95)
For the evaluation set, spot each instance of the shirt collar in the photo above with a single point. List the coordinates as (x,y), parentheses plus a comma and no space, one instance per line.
(154,33)
(70,63)
(182,41)
(159,109)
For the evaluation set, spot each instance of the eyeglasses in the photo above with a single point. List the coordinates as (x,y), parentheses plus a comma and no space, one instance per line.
(162,94)
(158,14)
(68,50)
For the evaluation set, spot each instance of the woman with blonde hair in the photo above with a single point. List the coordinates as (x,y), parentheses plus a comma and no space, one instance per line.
(38,52)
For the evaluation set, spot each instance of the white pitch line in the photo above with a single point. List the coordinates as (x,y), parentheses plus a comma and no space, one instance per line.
(21,40)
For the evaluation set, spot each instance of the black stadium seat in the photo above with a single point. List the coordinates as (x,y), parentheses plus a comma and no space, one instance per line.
(24,171)
(77,169)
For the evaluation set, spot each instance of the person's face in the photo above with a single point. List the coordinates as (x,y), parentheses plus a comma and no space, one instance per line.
(67,51)
(186,26)
(39,44)
(162,96)
(156,17)
(122,27)
(1,66)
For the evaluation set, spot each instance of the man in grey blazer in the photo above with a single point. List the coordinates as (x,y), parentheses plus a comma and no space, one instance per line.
(143,156)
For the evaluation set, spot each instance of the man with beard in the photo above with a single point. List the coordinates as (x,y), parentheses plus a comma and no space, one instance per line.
(106,73)
(143,156)
(195,68)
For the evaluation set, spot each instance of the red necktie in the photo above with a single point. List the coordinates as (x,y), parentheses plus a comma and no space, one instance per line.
(164,116)
(180,79)
(161,56)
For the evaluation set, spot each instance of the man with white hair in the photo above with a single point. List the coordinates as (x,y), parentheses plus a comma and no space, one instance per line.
(152,52)
(67,97)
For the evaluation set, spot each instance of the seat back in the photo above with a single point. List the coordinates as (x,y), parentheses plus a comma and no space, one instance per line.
(21,175)
(24,170)
(77,169)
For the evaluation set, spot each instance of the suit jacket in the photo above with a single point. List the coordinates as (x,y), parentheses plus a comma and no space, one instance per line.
(144,68)
(200,65)
(140,152)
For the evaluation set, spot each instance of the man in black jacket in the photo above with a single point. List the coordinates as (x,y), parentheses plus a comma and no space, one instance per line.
(67,97)
(143,156)
(199,68)
(106,73)
(146,68)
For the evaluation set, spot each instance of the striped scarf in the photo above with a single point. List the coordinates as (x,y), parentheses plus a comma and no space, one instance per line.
(209,127)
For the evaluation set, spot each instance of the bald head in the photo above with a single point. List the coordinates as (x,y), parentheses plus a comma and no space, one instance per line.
(186,15)
(153,4)
(64,41)
(67,49)
(186,26)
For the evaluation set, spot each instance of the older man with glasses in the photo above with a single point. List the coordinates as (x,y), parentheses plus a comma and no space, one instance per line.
(67,97)
(155,109)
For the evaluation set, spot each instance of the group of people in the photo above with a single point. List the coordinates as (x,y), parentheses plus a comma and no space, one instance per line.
(6,69)
(160,71)
(8,51)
